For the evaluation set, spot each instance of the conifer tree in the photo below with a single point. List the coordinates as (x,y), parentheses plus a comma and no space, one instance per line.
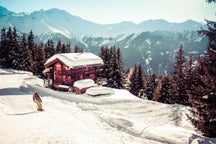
(162,91)
(118,69)
(58,47)
(105,55)
(203,94)
(152,82)
(133,83)
(15,51)
(178,78)
(68,48)
(40,59)
(3,48)
(136,81)
(78,49)
(9,49)
(25,57)
(31,45)
(113,69)
(63,49)
(49,49)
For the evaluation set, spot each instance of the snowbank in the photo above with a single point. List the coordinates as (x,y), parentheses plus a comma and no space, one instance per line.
(96,91)
(79,119)
(84,83)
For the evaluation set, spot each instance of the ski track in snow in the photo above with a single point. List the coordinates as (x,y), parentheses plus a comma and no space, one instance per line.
(79,119)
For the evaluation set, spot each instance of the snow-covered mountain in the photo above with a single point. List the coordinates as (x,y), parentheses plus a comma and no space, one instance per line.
(153,43)
(154,50)
(79,119)
(60,21)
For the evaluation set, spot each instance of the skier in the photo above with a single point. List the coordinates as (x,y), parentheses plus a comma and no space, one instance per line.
(38,101)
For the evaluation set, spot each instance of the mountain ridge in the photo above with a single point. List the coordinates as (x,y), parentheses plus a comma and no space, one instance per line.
(44,21)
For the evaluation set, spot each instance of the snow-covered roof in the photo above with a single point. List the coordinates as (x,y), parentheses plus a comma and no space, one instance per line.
(76,59)
(84,83)
(96,91)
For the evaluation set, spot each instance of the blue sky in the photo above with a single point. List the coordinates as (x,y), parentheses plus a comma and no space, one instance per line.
(114,11)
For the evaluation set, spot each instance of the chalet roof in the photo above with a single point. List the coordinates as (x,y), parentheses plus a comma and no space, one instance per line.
(75,59)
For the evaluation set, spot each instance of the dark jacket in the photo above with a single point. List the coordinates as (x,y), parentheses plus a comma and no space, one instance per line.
(36,97)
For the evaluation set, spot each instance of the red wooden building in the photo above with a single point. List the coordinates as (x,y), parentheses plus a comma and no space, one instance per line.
(66,68)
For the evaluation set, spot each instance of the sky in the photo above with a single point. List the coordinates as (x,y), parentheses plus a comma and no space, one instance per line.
(115,11)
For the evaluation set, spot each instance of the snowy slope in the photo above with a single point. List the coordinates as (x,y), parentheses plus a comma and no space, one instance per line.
(79,119)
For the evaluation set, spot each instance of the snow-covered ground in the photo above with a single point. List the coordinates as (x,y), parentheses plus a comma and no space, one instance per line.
(118,118)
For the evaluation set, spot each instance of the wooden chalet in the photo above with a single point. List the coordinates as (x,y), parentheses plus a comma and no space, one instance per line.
(64,69)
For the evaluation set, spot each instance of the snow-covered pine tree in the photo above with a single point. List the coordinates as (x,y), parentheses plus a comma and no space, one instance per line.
(179,91)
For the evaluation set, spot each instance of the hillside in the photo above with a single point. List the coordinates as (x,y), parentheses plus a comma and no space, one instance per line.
(69,118)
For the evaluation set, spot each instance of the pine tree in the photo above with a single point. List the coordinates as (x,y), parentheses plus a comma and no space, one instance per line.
(63,49)
(178,78)
(8,48)
(15,53)
(189,80)
(40,59)
(31,45)
(152,82)
(49,49)
(118,69)
(25,58)
(136,81)
(162,91)
(3,48)
(203,92)
(58,47)
(68,48)
(133,81)
(105,56)
(113,69)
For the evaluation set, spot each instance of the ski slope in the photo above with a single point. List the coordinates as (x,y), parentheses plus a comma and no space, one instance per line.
(118,118)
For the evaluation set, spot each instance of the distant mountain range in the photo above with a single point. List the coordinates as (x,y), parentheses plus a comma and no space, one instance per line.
(153,43)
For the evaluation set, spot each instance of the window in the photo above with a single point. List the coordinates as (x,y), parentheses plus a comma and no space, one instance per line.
(92,76)
(58,67)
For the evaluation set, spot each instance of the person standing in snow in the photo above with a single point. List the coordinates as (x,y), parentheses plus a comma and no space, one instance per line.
(38,101)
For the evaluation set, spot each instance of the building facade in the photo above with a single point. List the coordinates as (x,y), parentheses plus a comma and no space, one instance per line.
(66,68)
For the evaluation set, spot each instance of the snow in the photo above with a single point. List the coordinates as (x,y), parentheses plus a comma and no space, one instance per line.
(148,41)
(79,119)
(76,59)
(84,83)
(95,91)
(63,32)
